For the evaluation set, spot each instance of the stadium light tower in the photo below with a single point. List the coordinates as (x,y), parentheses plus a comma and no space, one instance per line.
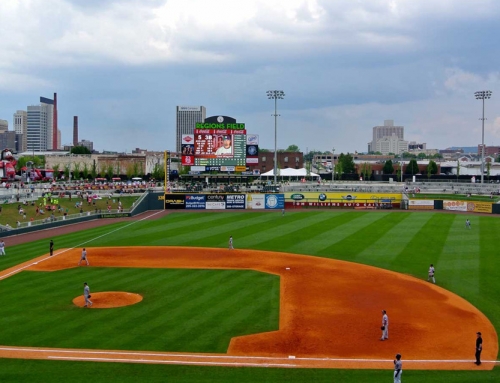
(275,95)
(482,95)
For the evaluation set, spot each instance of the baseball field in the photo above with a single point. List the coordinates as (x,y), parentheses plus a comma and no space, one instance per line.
(298,300)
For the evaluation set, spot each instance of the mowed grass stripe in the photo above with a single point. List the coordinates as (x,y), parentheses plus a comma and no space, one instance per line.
(382,247)
(281,231)
(350,239)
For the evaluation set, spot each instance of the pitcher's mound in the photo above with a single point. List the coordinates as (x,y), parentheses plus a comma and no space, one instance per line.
(109,299)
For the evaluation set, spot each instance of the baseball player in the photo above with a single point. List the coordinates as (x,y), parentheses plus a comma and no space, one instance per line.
(431,274)
(398,368)
(86,294)
(2,247)
(84,257)
(231,247)
(385,326)
(51,247)
(467,224)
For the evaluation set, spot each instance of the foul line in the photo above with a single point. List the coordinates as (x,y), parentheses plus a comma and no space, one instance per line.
(15,271)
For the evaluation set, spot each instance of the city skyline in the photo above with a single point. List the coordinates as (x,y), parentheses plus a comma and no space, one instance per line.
(345,67)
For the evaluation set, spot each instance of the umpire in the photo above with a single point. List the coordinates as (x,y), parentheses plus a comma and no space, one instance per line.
(479,348)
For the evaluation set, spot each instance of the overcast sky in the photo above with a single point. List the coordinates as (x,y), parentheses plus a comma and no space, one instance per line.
(345,66)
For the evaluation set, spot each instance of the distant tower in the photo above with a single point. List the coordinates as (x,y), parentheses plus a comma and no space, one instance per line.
(54,125)
(186,119)
(75,130)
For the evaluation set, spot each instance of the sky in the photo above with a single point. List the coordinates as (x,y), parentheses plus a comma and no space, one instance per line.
(345,66)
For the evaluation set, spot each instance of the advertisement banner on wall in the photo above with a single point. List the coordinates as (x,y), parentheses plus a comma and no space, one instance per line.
(235,201)
(480,207)
(455,205)
(175,201)
(187,160)
(421,204)
(195,201)
(215,202)
(275,201)
(341,196)
(256,201)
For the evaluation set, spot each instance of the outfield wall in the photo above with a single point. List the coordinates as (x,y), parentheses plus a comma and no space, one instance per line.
(454,205)
(249,201)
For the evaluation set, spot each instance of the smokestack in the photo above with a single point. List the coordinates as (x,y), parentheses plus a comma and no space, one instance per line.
(75,130)
(54,125)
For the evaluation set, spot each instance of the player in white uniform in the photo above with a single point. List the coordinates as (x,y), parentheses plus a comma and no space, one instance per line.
(385,325)
(226,147)
(398,368)
(86,294)
(467,224)
(2,248)
(431,274)
(231,243)
(84,257)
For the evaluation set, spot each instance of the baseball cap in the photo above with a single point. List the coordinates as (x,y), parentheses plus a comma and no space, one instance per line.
(478,333)
(226,137)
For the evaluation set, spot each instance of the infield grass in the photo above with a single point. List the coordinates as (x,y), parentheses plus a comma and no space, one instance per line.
(466,261)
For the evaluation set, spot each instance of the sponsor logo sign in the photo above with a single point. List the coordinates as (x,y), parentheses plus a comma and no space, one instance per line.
(212,168)
(187,160)
(455,205)
(275,201)
(297,197)
(189,108)
(256,172)
(195,201)
(421,204)
(175,201)
(215,202)
(187,139)
(256,201)
(240,168)
(252,139)
(480,207)
(252,160)
(235,201)
(228,168)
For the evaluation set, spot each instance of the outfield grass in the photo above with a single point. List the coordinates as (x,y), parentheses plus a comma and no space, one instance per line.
(466,263)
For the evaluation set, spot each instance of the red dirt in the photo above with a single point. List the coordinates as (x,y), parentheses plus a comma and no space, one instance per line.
(109,299)
(330,314)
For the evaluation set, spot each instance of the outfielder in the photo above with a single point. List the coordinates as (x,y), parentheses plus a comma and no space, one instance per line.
(467,224)
(231,247)
(2,247)
(398,368)
(84,257)
(86,294)
(431,274)
(385,326)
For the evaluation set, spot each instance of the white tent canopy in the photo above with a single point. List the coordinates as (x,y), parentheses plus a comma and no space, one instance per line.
(289,172)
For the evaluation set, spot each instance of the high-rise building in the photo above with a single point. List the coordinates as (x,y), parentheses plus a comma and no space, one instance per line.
(75,130)
(4,126)
(186,119)
(40,128)
(21,128)
(387,130)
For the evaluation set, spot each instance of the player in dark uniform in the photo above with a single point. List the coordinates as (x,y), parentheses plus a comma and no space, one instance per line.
(51,247)
(479,348)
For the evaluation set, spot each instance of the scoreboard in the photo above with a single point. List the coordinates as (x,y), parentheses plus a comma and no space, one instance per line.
(216,147)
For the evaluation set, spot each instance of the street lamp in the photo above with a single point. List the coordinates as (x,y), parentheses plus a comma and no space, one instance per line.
(275,95)
(333,164)
(482,95)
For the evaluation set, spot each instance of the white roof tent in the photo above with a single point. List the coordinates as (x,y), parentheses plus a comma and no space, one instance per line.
(289,172)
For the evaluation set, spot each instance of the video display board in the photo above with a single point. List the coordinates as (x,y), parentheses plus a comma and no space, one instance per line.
(220,144)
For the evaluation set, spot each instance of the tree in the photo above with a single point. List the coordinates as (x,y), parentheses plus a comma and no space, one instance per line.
(412,167)
(432,168)
(309,156)
(347,163)
(110,171)
(56,168)
(158,172)
(85,171)
(488,169)
(458,169)
(76,170)
(292,148)
(388,167)
(80,150)
(262,150)
(365,170)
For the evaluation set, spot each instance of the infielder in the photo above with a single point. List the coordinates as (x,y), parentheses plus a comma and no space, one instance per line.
(84,257)
(398,368)
(86,294)
(385,326)
(231,247)
(2,248)
(431,274)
